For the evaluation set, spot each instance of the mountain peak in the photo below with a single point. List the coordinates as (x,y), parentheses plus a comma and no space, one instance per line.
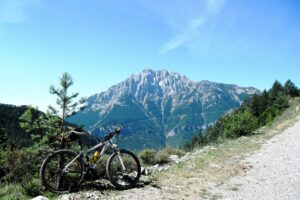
(159,75)
(148,71)
(159,108)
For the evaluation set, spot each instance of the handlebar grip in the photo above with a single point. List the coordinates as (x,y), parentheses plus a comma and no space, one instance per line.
(118,130)
(112,134)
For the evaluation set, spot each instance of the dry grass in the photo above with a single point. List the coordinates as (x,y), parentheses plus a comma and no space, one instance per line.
(194,178)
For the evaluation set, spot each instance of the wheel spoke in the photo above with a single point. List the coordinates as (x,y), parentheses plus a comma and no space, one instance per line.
(53,176)
(124,178)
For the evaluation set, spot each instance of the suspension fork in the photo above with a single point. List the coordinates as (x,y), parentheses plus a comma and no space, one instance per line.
(117,150)
(121,160)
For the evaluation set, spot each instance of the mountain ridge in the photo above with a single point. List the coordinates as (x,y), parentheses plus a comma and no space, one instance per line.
(171,107)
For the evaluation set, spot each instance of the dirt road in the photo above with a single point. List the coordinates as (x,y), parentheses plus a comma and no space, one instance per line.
(275,172)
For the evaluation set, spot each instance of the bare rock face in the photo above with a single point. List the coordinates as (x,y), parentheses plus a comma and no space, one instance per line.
(159,108)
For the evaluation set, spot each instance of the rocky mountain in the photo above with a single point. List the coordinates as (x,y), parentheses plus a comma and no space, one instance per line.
(159,108)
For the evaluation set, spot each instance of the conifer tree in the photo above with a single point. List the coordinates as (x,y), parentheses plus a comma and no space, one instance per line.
(274,92)
(66,104)
(277,87)
(291,89)
(44,128)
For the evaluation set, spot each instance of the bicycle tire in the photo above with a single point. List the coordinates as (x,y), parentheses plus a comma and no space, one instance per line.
(120,179)
(66,184)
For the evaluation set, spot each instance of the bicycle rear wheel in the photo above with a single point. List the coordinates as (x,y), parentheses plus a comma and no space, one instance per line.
(127,177)
(52,176)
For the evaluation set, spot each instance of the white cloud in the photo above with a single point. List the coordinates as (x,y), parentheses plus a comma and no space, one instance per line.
(14,11)
(193,23)
(180,39)
(214,6)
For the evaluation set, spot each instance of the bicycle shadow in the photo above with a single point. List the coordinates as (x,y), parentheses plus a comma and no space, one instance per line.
(103,185)
(99,184)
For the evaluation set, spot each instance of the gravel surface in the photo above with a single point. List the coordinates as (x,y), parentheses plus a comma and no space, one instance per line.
(274,172)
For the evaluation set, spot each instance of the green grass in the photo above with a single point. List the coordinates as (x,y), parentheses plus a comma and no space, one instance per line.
(12,192)
(15,192)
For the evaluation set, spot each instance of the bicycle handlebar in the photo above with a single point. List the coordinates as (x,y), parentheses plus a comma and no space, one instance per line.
(112,134)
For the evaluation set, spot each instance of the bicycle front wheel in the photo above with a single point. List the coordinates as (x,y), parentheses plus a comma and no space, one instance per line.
(53,176)
(123,169)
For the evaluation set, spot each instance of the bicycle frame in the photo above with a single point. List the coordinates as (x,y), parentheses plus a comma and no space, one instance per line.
(104,146)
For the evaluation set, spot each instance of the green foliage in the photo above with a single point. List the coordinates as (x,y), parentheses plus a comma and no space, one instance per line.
(268,115)
(11,192)
(66,105)
(19,164)
(30,187)
(148,156)
(101,167)
(239,124)
(197,140)
(256,111)
(213,133)
(45,128)
(174,151)
(281,101)
(291,89)
(152,157)
(3,139)
(42,128)
(15,136)
(162,157)
(276,88)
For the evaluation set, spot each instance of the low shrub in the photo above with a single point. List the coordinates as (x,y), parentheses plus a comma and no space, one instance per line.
(162,157)
(19,164)
(148,156)
(174,151)
(11,192)
(31,187)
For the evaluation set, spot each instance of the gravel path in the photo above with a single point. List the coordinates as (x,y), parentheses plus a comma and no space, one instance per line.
(275,172)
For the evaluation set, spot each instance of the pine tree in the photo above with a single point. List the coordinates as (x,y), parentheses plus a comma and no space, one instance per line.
(255,105)
(291,89)
(277,87)
(274,92)
(44,128)
(67,106)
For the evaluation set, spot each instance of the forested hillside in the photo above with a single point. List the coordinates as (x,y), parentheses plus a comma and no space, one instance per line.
(255,112)
(10,125)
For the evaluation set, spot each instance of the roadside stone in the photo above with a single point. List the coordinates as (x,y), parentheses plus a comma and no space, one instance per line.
(174,158)
(40,198)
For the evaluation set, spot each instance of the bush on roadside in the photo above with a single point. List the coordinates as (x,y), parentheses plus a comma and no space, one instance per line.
(174,151)
(30,187)
(148,156)
(162,157)
(11,192)
(19,164)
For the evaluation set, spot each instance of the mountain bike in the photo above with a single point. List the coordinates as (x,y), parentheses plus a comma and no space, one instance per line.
(64,170)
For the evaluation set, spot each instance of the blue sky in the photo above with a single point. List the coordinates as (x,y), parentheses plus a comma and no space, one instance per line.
(102,42)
